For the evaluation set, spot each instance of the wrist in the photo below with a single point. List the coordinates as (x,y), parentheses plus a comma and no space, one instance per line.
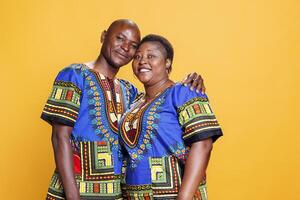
(73,195)
(184,196)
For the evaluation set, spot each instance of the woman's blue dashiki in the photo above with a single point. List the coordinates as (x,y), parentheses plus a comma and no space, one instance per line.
(156,137)
(92,104)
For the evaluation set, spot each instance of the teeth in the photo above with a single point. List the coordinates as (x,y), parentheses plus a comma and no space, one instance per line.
(144,70)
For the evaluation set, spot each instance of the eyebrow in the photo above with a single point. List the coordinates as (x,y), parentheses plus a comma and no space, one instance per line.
(149,50)
(127,38)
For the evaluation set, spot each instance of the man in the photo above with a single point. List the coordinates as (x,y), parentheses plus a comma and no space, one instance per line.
(85,105)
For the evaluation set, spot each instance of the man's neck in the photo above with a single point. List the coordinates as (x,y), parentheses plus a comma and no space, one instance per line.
(102,66)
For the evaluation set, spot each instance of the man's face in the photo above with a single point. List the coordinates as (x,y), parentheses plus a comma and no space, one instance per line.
(120,44)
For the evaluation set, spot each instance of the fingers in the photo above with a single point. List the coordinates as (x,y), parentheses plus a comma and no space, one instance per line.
(200,85)
(195,82)
(188,79)
(184,80)
(202,89)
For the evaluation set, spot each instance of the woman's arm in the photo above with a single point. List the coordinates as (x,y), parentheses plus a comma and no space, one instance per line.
(195,168)
(64,159)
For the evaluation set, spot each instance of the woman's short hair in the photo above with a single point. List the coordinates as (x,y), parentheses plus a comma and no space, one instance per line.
(164,42)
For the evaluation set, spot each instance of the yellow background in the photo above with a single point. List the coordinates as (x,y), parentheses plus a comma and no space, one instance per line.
(247,51)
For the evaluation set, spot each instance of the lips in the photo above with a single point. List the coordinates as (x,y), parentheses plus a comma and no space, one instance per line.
(144,69)
(121,55)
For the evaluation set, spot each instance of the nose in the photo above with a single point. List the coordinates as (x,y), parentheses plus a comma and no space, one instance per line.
(142,60)
(125,46)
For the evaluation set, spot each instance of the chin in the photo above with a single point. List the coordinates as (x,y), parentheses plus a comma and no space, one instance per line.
(142,79)
(117,63)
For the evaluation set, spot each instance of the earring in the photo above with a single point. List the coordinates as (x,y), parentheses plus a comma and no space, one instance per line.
(168,70)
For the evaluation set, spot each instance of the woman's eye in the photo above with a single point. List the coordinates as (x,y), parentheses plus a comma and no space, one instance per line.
(137,57)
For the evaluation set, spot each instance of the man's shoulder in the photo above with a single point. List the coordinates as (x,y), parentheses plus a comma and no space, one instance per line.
(75,67)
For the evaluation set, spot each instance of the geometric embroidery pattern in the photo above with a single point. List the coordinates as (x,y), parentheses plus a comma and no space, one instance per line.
(97,179)
(64,101)
(88,189)
(104,104)
(132,126)
(196,116)
(166,180)
(133,192)
(113,99)
(166,176)
(96,161)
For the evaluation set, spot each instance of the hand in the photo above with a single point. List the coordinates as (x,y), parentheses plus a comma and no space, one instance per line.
(195,81)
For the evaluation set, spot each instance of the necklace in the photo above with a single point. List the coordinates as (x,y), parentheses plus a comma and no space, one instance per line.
(166,84)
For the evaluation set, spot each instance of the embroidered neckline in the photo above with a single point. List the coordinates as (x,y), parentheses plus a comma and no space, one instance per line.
(113,99)
(131,125)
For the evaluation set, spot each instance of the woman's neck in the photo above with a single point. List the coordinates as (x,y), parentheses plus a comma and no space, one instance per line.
(153,90)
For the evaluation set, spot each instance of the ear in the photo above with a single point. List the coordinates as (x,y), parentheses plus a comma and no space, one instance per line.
(168,65)
(103,35)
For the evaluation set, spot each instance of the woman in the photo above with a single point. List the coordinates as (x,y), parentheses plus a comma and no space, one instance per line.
(167,135)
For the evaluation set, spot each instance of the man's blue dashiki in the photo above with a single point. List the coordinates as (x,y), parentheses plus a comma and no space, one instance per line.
(92,104)
(156,137)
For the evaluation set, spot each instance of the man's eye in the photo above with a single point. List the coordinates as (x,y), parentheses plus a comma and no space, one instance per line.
(134,46)
(120,38)
(150,56)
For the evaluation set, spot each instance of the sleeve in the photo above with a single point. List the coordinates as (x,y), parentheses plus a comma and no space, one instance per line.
(63,103)
(196,117)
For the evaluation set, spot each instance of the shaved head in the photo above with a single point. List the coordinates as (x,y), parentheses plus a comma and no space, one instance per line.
(122,22)
(119,42)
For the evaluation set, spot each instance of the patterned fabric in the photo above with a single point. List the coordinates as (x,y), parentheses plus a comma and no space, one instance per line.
(92,104)
(155,139)
(196,117)
(63,102)
(94,174)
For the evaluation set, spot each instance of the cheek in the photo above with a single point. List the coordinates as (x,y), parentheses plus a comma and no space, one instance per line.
(132,52)
(159,68)
(134,66)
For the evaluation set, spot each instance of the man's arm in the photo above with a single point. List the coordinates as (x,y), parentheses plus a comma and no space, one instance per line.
(64,159)
(195,168)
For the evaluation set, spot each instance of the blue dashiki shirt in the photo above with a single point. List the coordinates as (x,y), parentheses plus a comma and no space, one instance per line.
(155,140)
(92,104)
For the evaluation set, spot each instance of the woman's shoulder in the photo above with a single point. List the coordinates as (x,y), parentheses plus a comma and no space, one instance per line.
(181,91)
(180,95)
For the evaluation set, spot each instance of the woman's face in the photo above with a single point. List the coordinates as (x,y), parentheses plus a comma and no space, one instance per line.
(150,63)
